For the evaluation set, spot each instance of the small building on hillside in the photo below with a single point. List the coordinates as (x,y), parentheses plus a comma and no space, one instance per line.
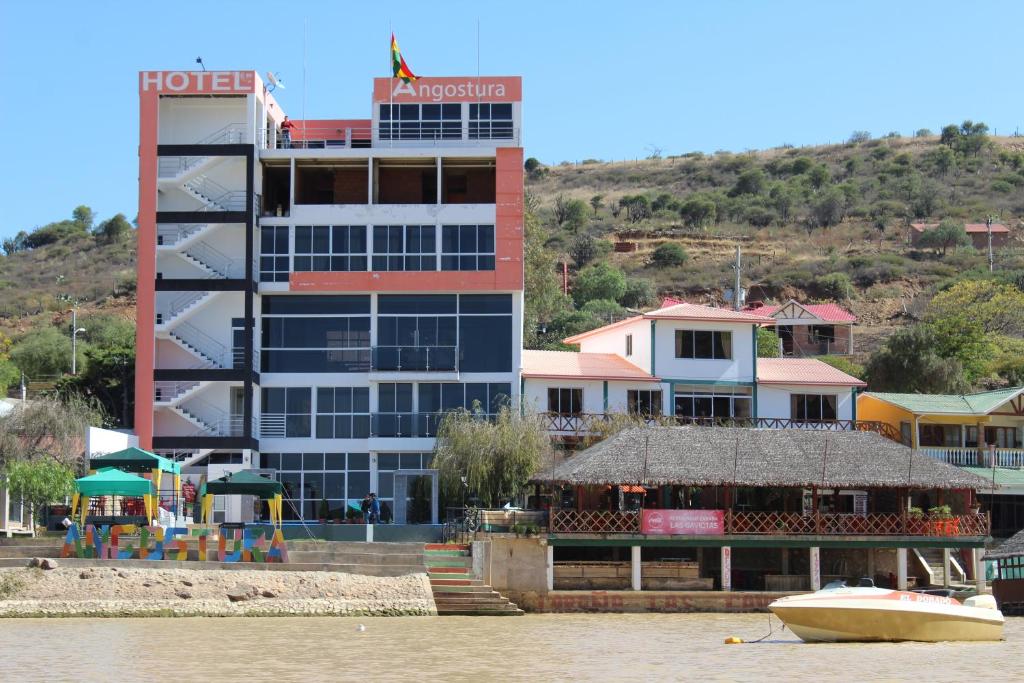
(1008,585)
(978,232)
(758,509)
(810,329)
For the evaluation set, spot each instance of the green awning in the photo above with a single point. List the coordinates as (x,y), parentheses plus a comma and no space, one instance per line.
(244,483)
(113,482)
(135,460)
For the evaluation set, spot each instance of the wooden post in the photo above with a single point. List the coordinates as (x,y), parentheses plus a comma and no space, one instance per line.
(636,565)
(901,569)
(815,568)
(726,568)
(551,568)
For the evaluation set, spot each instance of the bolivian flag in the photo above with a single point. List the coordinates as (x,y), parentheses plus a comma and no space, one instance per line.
(398,65)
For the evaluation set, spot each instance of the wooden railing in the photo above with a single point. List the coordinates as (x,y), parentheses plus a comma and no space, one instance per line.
(584,423)
(594,522)
(784,523)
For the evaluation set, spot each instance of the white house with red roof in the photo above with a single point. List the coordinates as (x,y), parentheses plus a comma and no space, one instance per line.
(810,329)
(685,360)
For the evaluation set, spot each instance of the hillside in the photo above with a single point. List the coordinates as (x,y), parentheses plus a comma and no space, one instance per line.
(799,215)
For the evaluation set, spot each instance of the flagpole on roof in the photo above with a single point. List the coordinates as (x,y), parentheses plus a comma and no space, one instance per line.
(391,87)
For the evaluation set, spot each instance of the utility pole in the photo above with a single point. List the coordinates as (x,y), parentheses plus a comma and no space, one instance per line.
(736,289)
(991,261)
(75,330)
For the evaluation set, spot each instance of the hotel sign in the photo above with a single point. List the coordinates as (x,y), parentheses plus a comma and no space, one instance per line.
(682,522)
(456,89)
(198,82)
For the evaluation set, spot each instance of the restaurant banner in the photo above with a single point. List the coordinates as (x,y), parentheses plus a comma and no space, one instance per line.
(683,522)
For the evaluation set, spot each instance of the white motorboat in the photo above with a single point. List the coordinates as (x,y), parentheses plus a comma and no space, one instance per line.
(847,614)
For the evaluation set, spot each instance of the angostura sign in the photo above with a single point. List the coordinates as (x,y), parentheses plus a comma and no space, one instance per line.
(197,82)
(683,522)
(457,89)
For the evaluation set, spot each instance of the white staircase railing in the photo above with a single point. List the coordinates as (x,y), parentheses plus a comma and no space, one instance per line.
(179,305)
(213,195)
(170,234)
(220,264)
(175,166)
(169,392)
(212,353)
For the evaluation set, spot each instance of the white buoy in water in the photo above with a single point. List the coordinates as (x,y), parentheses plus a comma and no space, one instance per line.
(360,628)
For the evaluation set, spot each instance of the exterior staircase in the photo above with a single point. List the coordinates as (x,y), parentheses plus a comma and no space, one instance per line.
(457,591)
(931,560)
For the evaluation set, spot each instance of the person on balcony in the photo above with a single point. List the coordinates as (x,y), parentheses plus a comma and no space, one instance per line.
(286,133)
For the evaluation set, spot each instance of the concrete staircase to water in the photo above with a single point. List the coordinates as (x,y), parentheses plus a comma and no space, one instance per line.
(457,590)
(933,558)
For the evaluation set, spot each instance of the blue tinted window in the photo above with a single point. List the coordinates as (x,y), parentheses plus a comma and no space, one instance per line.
(315,305)
(496,354)
(416,303)
(485,303)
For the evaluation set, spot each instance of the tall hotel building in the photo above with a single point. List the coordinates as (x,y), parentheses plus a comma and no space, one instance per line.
(312,299)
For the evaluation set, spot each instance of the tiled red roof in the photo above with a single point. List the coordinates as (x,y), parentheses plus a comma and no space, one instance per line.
(802,371)
(969,227)
(575,339)
(686,311)
(575,365)
(671,301)
(833,313)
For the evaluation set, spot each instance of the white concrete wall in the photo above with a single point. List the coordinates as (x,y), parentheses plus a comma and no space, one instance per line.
(740,368)
(187,120)
(773,400)
(170,356)
(614,341)
(99,441)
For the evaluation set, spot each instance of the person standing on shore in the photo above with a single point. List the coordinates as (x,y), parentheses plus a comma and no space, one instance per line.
(374,509)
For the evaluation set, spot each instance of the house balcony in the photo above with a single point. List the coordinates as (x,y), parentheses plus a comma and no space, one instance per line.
(415,359)
(785,524)
(585,424)
(969,456)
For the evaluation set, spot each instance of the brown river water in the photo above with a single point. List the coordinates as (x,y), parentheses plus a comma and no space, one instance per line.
(608,647)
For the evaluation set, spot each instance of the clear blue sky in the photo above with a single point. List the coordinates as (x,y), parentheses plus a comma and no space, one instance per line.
(602,80)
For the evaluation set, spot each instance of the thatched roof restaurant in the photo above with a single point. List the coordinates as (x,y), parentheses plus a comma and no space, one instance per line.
(730,456)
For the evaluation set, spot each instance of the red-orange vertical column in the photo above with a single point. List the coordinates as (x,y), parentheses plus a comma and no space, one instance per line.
(145,307)
(508,226)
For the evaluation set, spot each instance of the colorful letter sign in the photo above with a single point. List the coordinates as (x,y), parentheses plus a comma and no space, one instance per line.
(683,522)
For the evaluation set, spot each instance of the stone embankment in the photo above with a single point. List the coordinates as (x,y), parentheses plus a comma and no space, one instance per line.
(121,591)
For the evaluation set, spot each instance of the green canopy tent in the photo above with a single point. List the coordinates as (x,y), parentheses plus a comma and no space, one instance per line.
(111,481)
(138,460)
(244,483)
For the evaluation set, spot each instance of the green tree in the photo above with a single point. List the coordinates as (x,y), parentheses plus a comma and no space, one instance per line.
(9,374)
(531,165)
(605,310)
(44,352)
(114,229)
(1008,359)
(819,176)
(923,133)
(995,306)
(835,286)
(638,207)
(828,208)
(639,294)
(570,213)
(13,245)
(698,211)
(566,324)
(494,457)
(586,248)
(84,217)
(908,362)
(950,135)
(47,428)
(844,364)
(768,343)
(541,279)
(859,136)
(108,375)
(598,281)
(40,481)
(783,198)
(959,338)
(669,254)
(973,137)
(949,233)
(596,202)
(752,181)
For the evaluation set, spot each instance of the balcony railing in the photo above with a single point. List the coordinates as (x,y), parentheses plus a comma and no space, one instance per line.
(408,133)
(785,523)
(969,456)
(405,425)
(416,358)
(587,423)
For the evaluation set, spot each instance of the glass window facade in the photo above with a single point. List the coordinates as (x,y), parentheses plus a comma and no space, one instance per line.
(703,344)
(404,247)
(814,407)
(490,121)
(467,247)
(719,403)
(286,411)
(315,334)
(330,248)
(644,402)
(407,409)
(274,252)
(342,479)
(420,122)
(342,412)
(565,401)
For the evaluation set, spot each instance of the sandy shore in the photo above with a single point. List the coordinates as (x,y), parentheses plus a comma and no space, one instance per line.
(114,591)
